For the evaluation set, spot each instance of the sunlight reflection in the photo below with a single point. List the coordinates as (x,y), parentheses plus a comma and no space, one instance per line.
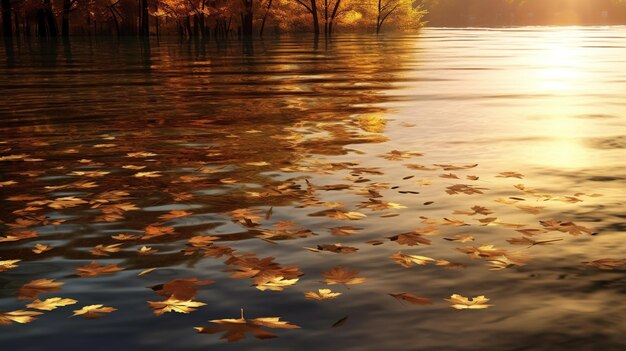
(561,61)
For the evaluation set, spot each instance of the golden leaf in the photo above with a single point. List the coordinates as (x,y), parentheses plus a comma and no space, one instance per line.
(174,305)
(105,250)
(276,284)
(151,174)
(29,291)
(93,311)
(236,329)
(408,261)
(18,235)
(8,264)
(322,294)
(175,214)
(153,231)
(40,248)
(51,303)
(18,316)
(94,269)
(463,303)
(340,275)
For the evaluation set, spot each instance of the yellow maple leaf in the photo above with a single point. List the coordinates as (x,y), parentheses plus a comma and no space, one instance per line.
(322,294)
(51,303)
(174,305)
(8,264)
(340,275)
(93,311)
(463,303)
(236,329)
(17,316)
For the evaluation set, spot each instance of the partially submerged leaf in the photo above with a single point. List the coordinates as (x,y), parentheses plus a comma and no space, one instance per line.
(412,299)
(31,290)
(606,263)
(94,269)
(408,261)
(8,264)
(181,288)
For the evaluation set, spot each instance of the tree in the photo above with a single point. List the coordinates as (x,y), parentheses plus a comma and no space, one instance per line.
(247,17)
(330,13)
(409,12)
(7,27)
(65,23)
(144,18)
(267,11)
(312,9)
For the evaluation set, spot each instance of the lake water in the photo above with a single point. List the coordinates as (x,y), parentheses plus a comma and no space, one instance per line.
(127,132)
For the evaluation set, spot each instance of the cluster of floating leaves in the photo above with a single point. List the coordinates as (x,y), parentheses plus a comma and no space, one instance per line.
(111,180)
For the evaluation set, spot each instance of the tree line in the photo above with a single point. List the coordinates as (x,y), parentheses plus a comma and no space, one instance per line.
(462,13)
(205,18)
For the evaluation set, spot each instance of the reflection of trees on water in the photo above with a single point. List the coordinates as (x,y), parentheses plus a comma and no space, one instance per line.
(197,106)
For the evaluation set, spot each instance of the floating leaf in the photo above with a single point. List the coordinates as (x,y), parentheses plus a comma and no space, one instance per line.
(105,250)
(174,305)
(181,288)
(606,263)
(340,275)
(463,303)
(175,214)
(31,290)
(236,329)
(18,316)
(322,294)
(93,311)
(408,261)
(412,299)
(94,269)
(344,231)
(8,264)
(276,284)
(51,303)
(41,248)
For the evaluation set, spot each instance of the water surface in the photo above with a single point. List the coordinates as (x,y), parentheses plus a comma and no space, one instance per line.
(269,124)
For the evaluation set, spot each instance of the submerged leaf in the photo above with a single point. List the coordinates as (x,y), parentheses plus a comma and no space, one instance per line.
(412,299)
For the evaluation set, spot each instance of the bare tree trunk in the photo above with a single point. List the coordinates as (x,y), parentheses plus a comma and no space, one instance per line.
(117,25)
(333,15)
(7,28)
(247,17)
(378,17)
(316,23)
(65,24)
(144,18)
(267,11)
(49,18)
